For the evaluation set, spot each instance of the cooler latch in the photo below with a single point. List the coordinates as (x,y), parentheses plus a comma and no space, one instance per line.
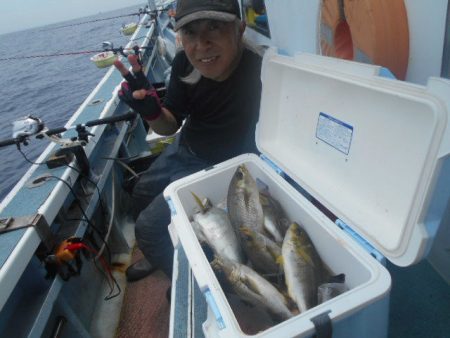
(323,326)
(366,245)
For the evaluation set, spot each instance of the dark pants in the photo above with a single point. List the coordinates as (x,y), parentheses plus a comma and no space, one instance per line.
(154,215)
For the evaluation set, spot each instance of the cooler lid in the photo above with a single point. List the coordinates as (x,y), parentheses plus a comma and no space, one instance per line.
(368,148)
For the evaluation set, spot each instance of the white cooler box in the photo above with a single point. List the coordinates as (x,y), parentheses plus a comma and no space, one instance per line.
(369,149)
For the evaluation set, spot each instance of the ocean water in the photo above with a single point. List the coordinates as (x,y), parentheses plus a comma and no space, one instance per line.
(51,88)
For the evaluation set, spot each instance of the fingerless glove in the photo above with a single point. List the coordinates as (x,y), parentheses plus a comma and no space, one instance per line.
(149,107)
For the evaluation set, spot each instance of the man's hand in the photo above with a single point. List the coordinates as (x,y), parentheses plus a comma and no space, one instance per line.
(137,92)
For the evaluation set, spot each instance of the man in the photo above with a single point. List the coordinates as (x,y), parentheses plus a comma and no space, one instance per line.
(215,89)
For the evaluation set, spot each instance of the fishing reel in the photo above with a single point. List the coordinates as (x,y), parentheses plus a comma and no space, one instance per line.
(28,126)
(147,10)
(25,127)
(109,47)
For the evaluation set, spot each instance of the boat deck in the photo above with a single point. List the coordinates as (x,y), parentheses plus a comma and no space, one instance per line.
(420,302)
(145,311)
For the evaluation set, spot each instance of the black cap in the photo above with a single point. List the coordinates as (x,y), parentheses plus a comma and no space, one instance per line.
(191,10)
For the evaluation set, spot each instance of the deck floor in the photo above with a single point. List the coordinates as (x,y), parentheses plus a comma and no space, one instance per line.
(145,310)
(420,303)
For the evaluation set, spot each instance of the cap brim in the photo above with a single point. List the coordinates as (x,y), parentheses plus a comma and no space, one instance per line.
(202,15)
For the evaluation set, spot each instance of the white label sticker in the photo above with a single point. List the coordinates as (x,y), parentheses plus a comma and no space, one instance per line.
(334,132)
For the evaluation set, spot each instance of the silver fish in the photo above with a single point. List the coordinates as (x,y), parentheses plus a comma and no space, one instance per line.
(253,288)
(261,251)
(303,267)
(243,204)
(198,232)
(275,222)
(214,226)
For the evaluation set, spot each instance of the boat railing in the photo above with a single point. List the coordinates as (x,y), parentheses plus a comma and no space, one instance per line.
(52,198)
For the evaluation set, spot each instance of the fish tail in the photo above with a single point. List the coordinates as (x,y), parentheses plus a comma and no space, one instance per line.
(199,202)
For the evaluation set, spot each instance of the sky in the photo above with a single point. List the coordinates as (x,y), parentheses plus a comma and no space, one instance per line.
(16,15)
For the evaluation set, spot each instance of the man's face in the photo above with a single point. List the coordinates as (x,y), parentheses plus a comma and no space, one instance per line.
(212,47)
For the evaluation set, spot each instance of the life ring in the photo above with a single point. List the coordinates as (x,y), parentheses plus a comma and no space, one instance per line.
(369,31)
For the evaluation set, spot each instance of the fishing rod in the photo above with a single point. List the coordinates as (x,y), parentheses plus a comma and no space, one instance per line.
(107,46)
(140,12)
(29,126)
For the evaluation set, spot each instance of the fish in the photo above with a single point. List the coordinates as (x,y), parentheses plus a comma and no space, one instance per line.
(212,225)
(253,288)
(334,287)
(243,204)
(303,267)
(275,221)
(207,249)
(262,252)
(328,291)
(199,232)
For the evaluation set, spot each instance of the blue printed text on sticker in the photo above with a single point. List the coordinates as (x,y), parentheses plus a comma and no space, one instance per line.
(334,132)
